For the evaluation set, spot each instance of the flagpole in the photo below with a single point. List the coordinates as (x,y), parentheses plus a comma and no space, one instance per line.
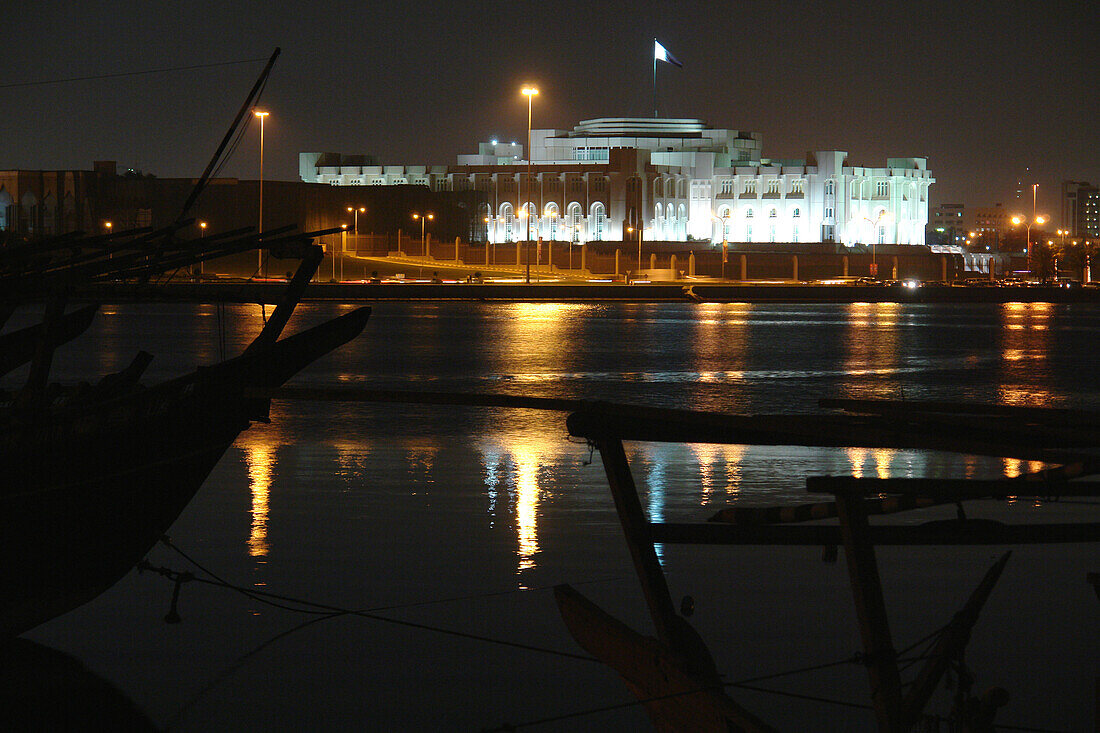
(654,77)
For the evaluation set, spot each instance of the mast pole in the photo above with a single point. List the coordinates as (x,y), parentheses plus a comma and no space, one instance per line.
(654,77)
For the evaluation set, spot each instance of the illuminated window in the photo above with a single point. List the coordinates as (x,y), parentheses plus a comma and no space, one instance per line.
(882,188)
(796,213)
(830,188)
(509,218)
(598,221)
(828,212)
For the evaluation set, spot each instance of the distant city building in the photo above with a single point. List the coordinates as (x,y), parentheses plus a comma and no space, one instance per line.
(1080,212)
(948,223)
(990,222)
(675,179)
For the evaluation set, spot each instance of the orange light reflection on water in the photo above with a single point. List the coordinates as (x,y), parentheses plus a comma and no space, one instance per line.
(260,459)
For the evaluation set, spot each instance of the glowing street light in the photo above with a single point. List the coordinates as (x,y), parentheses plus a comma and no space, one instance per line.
(530,93)
(356,212)
(423,238)
(202,229)
(1018,220)
(259,250)
(107,225)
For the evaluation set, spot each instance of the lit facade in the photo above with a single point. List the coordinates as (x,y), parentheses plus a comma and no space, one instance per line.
(675,179)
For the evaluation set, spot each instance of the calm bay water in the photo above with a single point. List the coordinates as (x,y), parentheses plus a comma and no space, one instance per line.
(461,519)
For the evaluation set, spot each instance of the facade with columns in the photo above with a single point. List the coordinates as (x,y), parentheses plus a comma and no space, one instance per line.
(673,179)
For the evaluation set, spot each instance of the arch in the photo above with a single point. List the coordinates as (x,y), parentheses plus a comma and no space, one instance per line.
(508,217)
(574,216)
(658,188)
(681,222)
(670,222)
(725,228)
(550,211)
(598,220)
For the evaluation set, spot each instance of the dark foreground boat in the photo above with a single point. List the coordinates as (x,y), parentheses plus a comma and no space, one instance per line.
(94,476)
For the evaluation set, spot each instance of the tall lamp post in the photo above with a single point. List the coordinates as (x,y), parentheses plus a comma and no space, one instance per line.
(355,212)
(423,237)
(1018,220)
(259,250)
(202,235)
(530,93)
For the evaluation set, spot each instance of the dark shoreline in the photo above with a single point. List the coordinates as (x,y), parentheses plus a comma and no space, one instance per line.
(253,292)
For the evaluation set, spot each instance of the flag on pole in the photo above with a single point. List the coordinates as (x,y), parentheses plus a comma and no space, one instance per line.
(660,54)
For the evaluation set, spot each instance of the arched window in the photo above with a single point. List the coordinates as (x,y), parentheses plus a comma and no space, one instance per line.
(681,222)
(796,213)
(748,213)
(551,213)
(5,210)
(830,188)
(657,224)
(772,213)
(725,228)
(574,217)
(509,218)
(599,221)
(670,223)
(658,188)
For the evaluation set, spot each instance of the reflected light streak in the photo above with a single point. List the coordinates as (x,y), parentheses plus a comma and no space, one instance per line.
(857,457)
(260,459)
(708,456)
(527,505)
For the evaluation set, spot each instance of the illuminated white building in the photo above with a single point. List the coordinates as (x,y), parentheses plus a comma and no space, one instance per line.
(678,178)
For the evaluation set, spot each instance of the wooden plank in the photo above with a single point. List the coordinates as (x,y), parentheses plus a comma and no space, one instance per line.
(680,426)
(676,698)
(945,488)
(874,628)
(943,532)
(470,399)
(636,530)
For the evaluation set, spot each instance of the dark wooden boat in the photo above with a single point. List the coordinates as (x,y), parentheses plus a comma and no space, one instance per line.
(94,477)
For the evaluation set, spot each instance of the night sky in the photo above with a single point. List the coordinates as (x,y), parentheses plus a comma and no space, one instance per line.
(984,90)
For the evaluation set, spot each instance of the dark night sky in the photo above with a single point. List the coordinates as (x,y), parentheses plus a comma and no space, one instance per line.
(983,90)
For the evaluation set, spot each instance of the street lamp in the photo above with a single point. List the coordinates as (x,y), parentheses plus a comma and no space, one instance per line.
(1018,220)
(356,212)
(202,235)
(423,238)
(875,223)
(259,250)
(530,93)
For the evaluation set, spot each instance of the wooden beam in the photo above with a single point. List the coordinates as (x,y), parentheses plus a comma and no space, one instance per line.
(882,658)
(938,532)
(638,539)
(950,645)
(675,697)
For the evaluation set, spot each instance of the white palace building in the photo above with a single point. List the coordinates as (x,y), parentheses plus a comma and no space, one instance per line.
(681,179)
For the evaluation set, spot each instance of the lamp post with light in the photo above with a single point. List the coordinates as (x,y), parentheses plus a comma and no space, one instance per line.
(423,237)
(259,250)
(202,235)
(530,93)
(1018,220)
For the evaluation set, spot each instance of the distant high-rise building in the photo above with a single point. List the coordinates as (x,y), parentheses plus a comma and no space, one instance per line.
(1079,200)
